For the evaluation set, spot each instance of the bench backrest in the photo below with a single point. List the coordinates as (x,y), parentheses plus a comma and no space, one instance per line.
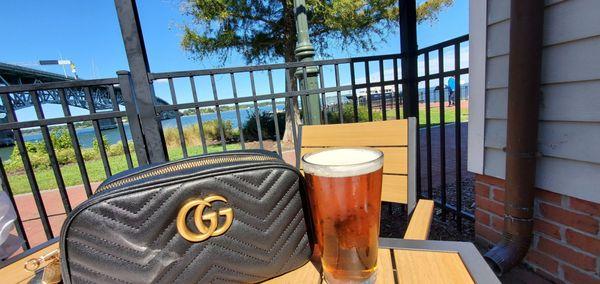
(395,138)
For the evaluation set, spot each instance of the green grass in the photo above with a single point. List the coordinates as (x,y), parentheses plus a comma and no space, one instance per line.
(449,114)
(71,175)
(434,114)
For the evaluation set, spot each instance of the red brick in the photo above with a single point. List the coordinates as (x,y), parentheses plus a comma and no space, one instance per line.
(543,261)
(498,194)
(547,228)
(482,217)
(548,196)
(584,206)
(579,221)
(567,254)
(550,277)
(572,275)
(491,180)
(487,233)
(586,243)
(497,223)
(482,189)
(489,205)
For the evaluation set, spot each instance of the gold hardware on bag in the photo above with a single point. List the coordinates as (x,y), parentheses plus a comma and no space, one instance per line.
(35,263)
(199,217)
(51,272)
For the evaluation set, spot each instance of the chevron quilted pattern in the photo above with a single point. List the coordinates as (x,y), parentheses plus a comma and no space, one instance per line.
(132,237)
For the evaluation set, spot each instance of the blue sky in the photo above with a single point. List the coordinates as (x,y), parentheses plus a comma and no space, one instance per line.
(87,32)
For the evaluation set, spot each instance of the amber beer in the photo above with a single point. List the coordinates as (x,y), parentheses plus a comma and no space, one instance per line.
(344,187)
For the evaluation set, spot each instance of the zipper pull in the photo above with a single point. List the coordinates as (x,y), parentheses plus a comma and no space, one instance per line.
(35,263)
(51,272)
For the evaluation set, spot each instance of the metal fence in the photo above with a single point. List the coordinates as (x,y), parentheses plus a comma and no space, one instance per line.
(350,90)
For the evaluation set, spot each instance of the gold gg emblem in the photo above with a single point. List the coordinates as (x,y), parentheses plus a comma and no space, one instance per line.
(199,217)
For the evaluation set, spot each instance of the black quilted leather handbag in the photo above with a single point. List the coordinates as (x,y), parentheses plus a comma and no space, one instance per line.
(226,217)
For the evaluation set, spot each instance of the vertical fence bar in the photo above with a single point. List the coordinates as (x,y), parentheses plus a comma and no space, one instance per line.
(396,88)
(368,83)
(338,93)
(354,96)
(323,98)
(75,143)
(60,182)
(139,140)
(457,138)
(198,116)
(428,128)
(35,190)
(97,132)
(288,88)
(256,111)
(306,102)
(442,133)
(113,98)
(237,111)
(218,110)
(178,118)
(275,115)
(382,91)
(18,222)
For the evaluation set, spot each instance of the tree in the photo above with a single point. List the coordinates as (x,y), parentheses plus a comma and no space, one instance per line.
(264,30)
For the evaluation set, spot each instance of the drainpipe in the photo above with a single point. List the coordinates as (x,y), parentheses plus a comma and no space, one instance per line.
(524,72)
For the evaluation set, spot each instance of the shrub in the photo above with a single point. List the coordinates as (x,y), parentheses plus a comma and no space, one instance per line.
(115,149)
(211,131)
(348,113)
(65,156)
(96,145)
(89,154)
(61,139)
(267,125)
(191,134)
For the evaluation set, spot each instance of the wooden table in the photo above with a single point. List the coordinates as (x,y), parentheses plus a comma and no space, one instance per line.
(400,261)
(414,261)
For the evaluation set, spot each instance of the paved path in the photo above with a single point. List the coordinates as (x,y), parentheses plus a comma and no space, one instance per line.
(56,213)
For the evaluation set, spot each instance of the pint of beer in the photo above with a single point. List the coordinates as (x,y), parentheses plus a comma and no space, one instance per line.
(344,188)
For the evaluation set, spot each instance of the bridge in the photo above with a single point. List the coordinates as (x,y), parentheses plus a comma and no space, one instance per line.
(17,75)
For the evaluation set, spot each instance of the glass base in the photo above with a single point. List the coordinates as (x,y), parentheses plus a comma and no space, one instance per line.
(331,280)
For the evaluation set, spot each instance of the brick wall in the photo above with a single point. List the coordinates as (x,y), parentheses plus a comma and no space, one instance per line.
(566,243)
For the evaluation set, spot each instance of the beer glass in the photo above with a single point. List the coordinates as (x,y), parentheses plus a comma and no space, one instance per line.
(344,190)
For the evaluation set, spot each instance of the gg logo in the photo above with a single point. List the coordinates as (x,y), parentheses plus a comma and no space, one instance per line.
(199,217)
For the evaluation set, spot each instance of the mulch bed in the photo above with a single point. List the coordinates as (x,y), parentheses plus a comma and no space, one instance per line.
(394,219)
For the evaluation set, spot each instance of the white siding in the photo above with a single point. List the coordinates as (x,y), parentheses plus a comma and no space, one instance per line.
(569,128)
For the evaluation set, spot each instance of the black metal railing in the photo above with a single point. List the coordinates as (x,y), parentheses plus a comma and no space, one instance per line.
(455,72)
(350,90)
(67,94)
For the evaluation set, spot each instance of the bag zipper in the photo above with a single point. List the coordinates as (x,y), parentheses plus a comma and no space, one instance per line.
(184,165)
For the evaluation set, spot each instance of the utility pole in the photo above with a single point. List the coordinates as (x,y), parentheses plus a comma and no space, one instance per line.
(305,53)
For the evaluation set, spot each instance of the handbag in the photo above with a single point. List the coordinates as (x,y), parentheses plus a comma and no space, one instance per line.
(228,217)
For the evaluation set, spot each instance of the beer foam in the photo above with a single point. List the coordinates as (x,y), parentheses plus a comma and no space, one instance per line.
(343,162)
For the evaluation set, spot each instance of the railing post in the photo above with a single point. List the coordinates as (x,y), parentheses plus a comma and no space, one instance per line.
(408,47)
(135,128)
(307,75)
(143,93)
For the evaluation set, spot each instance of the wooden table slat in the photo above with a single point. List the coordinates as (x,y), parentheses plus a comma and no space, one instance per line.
(385,268)
(421,266)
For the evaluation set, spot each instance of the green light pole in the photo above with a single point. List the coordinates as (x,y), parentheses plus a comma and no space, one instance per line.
(304,52)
